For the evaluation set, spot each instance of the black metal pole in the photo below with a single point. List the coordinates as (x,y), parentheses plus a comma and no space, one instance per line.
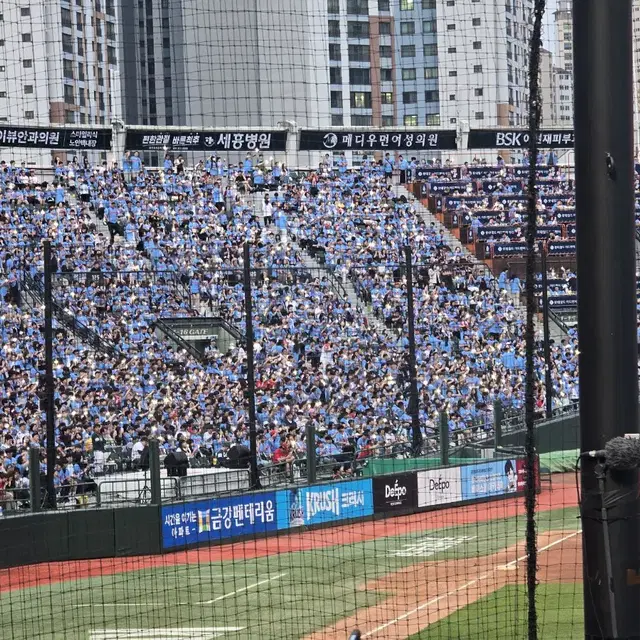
(154,471)
(49,381)
(251,383)
(35,491)
(416,435)
(548,380)
(606,306)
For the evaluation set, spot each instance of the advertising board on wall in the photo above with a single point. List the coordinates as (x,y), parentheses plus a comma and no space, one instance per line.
(489,479)
(306,506)
(395,493)
(439,486)
(211,520)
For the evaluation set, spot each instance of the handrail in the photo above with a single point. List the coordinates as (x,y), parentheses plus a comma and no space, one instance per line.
(70,321)
(183,344)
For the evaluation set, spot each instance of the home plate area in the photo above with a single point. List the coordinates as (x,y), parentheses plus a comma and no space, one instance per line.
(430,546)
(177,633)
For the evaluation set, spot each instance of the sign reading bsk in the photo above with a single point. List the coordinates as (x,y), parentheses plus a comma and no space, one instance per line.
(518,139)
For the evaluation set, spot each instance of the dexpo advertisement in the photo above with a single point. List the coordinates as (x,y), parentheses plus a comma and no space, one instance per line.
(212,520)
(306,506)
(440,486)
(395,493)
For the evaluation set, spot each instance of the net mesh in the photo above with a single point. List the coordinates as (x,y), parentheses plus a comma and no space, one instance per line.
(408,481)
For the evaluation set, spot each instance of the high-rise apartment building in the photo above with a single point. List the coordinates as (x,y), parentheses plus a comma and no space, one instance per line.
(563,73)
(209,63)
(428,62)
(59,64)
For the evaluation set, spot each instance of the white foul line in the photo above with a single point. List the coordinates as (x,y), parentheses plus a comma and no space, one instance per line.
(233,593)
(484,576)
(160,604)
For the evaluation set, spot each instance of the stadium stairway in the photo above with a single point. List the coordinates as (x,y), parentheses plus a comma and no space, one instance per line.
(556,331)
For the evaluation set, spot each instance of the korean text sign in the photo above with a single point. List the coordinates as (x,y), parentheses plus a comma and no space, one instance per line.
(211,520)
(306,506)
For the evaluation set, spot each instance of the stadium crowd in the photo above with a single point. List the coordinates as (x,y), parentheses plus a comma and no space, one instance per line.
(133,245)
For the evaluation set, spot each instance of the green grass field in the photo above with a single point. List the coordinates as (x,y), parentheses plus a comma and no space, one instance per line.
(504,615)
(286,595)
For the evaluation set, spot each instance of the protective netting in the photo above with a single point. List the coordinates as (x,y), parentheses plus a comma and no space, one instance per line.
(376,179)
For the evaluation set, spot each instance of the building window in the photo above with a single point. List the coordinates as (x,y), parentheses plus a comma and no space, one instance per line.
(430,73)
(408,74)
(385,51)
(452,50)
(28,64)
(406,5)
(25,12)
(452,120)
(410,97)
(386,97)
(359,52)
(335,75)
(67,68)
(98,28)
(453,74)
(67,43)
(81,98)
(383,5)
(478,92)
(451,27)
(477,68)
(334,52)
(109,8)
(111,55)
(385,28)
(69,116)
(333,6)
(3,94)
(361,100)
(428,4)
(451,3)
(358,7)
(567,45)
(452,97)
(360,76)
(66,18)
(411,120)
(431,96)
(430,50)
(387,121)
(29,115)
(357,29)
(408,51)
(386,75)
(477,45)
(336,99)
(28,88)
(479,115)
(79,21)
(337,120)
(407,28)
(111,31)
(361,121)
(80,46)
(26,37)
(69,97)
(433,119)
(334,28)
(80,71)
(476,22)
(429,26)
